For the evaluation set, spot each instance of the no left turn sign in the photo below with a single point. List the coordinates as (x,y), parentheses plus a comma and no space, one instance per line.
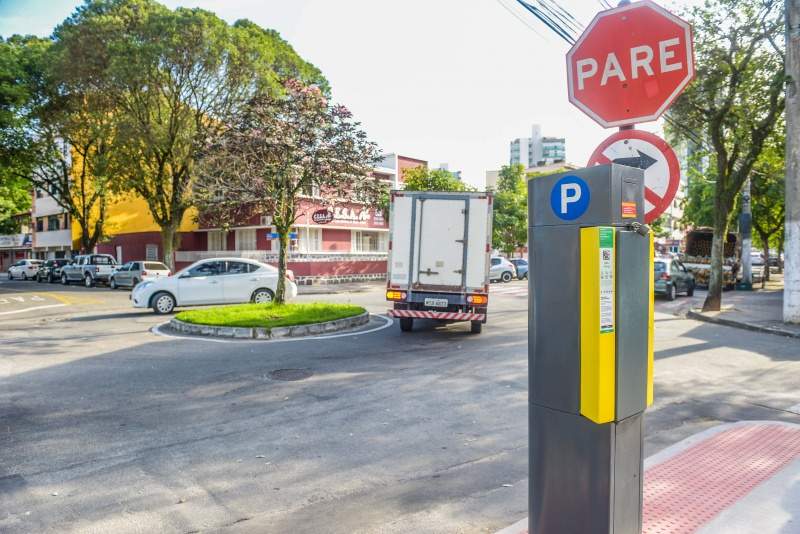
(636,148)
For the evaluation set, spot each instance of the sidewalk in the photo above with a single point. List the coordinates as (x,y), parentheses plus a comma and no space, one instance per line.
(760,310)
(735,478)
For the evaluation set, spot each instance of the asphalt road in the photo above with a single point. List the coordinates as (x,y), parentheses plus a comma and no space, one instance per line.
(108,427)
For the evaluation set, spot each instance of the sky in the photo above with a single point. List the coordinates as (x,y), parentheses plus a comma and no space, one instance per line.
(446,81)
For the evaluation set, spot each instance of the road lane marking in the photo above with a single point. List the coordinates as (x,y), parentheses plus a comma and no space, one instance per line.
(157,331)
(32,308)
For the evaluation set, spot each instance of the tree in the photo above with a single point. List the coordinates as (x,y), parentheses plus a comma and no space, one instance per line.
(15,194)
(424,179)
(281,146)
(735,100)
(59,143)
(768,201)
(175,78)
(510,214)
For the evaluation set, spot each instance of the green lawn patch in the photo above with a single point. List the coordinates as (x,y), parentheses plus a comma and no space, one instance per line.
(269,315)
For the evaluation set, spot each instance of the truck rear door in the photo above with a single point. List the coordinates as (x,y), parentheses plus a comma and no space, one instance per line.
(440,243)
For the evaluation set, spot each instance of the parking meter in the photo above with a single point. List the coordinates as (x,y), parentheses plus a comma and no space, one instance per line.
(590,350)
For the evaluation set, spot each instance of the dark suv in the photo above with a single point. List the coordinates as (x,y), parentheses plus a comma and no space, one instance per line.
(50,271)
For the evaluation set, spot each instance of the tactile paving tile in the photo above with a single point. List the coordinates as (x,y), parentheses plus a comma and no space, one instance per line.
(689,489)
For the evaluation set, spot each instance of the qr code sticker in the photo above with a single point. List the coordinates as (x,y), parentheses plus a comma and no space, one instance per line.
(606,255)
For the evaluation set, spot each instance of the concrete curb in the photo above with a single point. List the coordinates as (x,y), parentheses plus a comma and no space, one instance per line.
(266,333)
(692,314)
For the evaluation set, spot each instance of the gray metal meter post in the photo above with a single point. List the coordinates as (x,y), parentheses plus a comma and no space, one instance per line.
(590,350)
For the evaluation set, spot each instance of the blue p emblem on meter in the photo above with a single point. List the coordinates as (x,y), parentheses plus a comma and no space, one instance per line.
(570,198)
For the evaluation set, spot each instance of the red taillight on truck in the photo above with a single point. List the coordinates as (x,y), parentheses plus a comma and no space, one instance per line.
(144,273)
(665,276)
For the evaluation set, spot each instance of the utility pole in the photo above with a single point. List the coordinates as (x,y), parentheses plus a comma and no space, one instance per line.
(746,229)
(791,291)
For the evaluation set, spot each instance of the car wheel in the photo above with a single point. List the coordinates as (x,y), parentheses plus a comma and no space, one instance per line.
(112,283)
(690,291)
(64,280)
(476,327)
(88,281)
(262,296)
(163,303)
(506,276)
(406,324)
(672,292)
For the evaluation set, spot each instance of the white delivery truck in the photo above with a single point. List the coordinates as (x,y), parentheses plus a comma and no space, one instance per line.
(439,250)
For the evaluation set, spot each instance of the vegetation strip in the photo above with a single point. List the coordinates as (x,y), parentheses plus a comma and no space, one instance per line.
(270,321)
(269,315)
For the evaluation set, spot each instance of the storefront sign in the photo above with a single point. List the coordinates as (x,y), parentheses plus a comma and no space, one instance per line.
(323,216)
(15,240)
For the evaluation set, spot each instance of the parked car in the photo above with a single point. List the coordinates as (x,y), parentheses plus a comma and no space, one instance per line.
(133,272)
(212,281)
(672,277)
(757,266)
(51,270)
(24,269)
(501,269)
(90,269)
(522,268)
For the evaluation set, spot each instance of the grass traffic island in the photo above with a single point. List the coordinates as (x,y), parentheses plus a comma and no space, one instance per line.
(268,321)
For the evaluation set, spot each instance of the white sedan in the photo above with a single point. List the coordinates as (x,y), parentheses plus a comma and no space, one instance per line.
(213,281)
(24,269)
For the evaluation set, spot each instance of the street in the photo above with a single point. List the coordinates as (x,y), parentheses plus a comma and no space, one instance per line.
(108,427)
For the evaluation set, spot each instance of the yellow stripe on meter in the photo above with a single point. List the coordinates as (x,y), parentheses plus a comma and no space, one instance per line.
(598,338)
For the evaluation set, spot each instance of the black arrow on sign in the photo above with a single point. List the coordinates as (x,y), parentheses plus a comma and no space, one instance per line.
(642,162)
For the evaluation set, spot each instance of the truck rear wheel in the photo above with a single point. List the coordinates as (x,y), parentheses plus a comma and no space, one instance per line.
(406,324)
(476,327)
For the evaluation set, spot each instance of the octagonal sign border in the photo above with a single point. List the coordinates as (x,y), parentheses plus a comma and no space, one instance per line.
(668,101)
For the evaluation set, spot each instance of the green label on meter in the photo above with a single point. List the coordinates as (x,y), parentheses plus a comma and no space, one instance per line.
(606,279)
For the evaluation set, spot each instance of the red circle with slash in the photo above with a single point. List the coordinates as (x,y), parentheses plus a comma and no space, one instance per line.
(637,148)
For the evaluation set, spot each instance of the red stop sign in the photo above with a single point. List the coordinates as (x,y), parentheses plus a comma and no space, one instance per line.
(630,64)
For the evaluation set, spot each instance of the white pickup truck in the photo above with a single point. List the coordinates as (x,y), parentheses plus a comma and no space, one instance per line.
(439,251)
(89,269)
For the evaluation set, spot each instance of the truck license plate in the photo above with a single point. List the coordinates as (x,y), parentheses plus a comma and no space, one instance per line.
(436,303)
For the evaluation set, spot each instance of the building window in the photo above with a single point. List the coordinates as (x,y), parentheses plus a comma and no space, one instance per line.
(368,241)
(216,240)
(246,239)
(53,223)
(151,252)
(40,224)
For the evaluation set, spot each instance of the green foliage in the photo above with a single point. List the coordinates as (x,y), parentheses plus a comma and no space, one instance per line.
(174,79)
(510,219)
(424,179)
(270,315)
(768,194)
(18,71)
(734,103)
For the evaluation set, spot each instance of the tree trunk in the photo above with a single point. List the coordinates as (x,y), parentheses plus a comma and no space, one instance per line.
(765,278)
(169,239)
(716,281)
(87,244)
(283,260)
